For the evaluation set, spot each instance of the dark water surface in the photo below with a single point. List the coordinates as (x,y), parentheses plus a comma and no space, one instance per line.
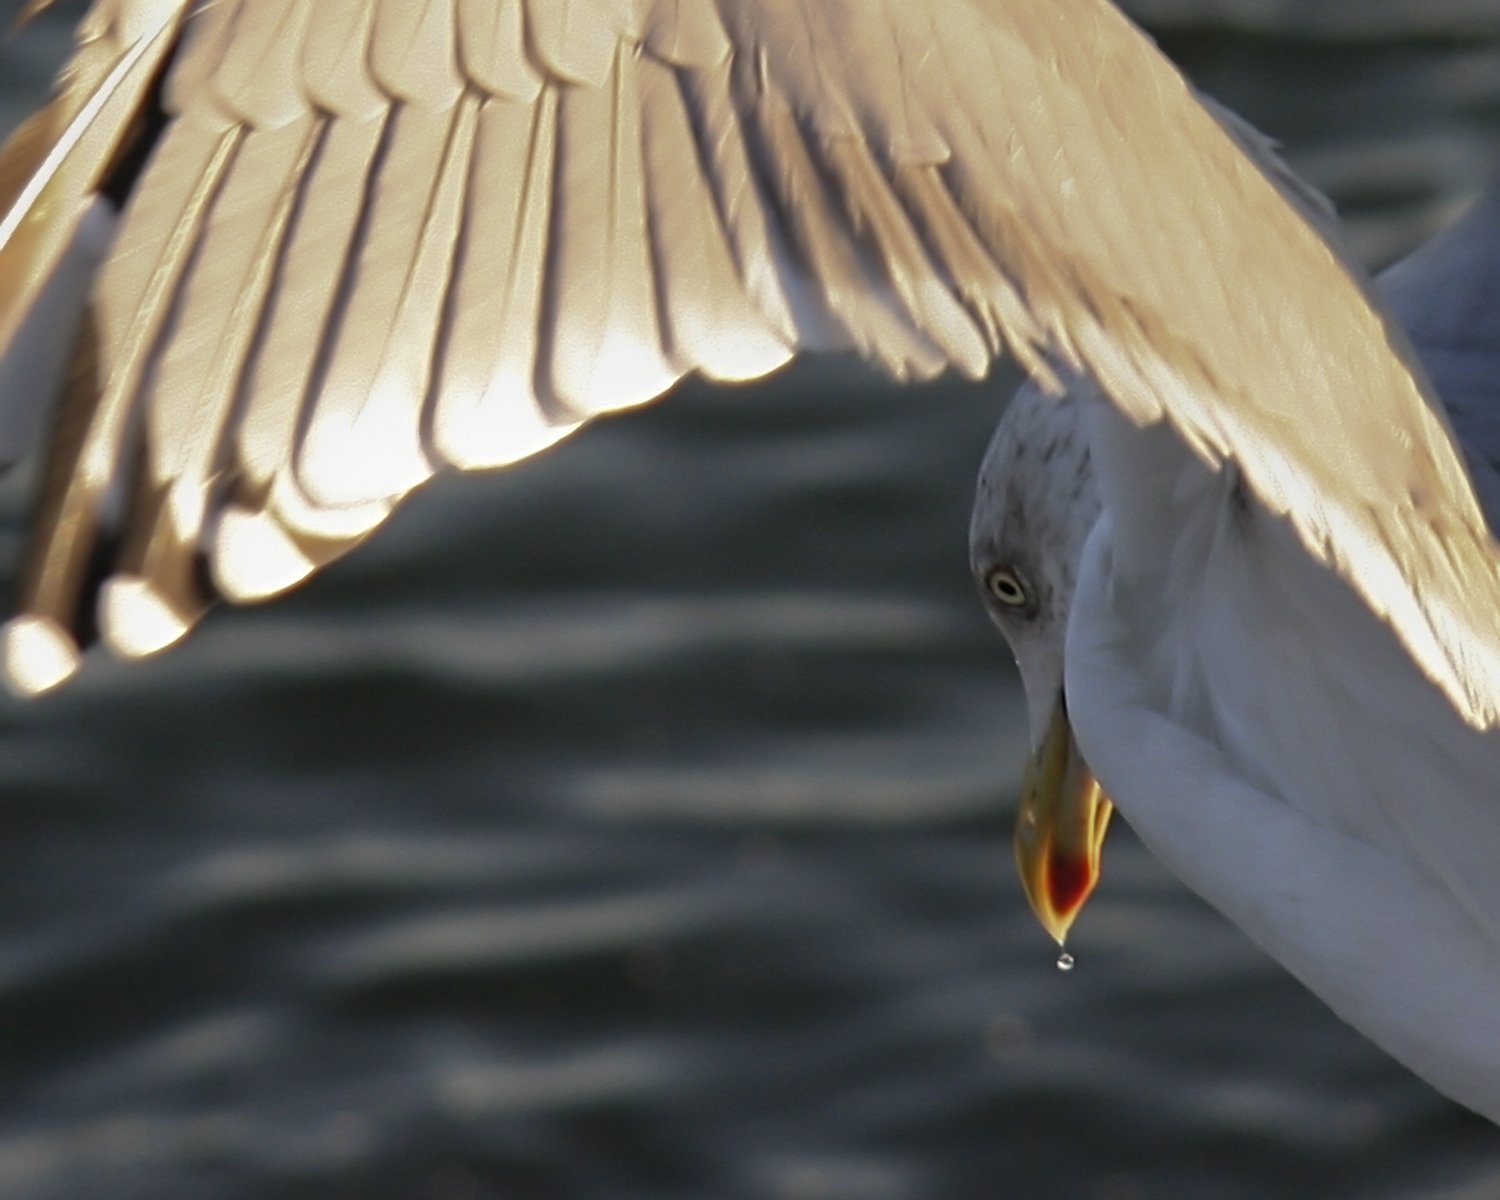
(636,824)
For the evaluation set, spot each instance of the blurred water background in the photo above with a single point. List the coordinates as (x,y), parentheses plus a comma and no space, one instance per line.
(635,824)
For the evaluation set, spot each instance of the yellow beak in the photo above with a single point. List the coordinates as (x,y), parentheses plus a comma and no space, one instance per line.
(1060,830)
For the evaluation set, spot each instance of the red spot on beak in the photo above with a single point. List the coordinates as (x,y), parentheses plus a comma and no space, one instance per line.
(1070,879)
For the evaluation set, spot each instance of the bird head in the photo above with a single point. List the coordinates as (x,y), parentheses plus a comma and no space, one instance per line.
(1034,507)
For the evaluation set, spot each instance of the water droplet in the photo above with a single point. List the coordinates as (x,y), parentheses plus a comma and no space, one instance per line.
(1065,961)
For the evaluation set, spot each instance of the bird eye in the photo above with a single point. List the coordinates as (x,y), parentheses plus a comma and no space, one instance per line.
(1005,586)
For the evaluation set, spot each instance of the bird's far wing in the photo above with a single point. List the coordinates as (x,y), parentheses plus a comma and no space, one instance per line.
(1446,295)
(390,236)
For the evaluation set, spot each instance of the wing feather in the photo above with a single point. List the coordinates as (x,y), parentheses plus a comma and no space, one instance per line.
(158,589)
(686,35)
(87,470)
(775,279)
(259,77)
(710,320)
(363,441)
(336,73)
(576,40)
(492,47)
(929,301)
(252,555)
(490,407)
(310,277)
(852,284)
(49,173)
(414,52)
(604,348)
(196,61)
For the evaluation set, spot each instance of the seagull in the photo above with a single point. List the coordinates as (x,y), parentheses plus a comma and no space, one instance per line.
(312,252)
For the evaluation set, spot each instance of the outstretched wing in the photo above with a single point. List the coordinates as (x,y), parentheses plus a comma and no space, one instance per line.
(378,236)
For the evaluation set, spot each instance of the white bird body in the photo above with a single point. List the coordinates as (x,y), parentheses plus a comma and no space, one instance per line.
(399,236)
(1268,739)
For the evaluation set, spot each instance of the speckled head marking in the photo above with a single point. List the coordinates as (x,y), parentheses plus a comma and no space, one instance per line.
(1035,504)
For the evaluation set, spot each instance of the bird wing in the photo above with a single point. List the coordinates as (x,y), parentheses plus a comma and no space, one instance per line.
(1447,297)
(403,235)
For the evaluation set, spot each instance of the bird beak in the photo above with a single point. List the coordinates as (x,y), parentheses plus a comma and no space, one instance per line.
(1060,829)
